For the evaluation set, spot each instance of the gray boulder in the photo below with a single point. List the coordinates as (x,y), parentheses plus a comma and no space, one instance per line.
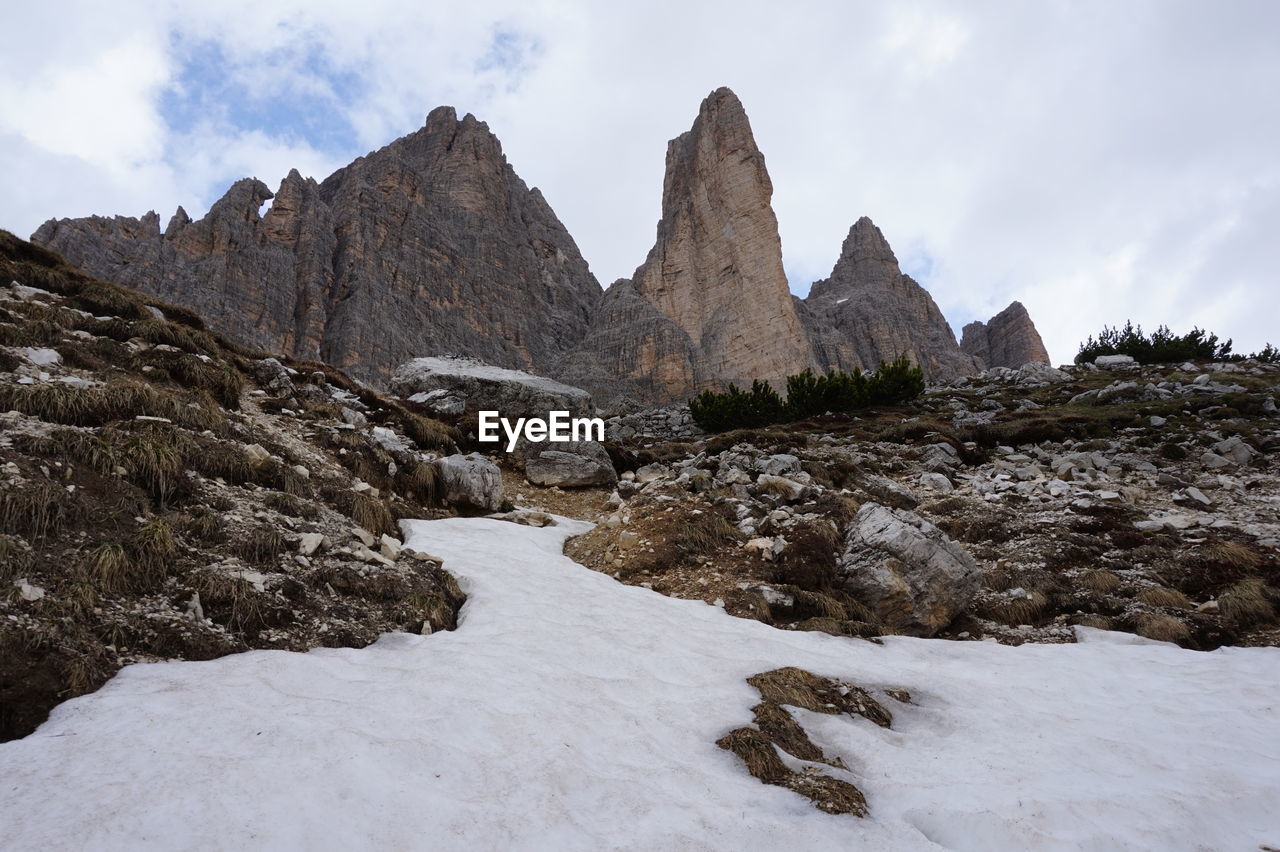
(1114,362)
(471,481)
(908,571)
(576,464)
(512,393)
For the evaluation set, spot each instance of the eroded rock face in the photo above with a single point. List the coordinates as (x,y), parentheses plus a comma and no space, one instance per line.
(710,305)
(1008,339)
(908,571)
(867,311)
(431,245)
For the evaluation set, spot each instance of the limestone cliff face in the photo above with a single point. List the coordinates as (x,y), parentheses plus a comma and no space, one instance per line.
(434,246)
(721,311)
(867,311)
(1008,339)
(429,246)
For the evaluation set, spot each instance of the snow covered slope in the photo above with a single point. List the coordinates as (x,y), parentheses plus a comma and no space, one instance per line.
(571,712)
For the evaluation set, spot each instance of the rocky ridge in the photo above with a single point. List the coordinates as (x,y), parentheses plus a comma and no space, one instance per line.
(433,246)
(1008,339)
(868,311)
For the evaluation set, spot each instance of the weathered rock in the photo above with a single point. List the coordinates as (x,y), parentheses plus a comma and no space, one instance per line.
(513,393)
(867,311)
(1008,339)
(1114,362)
(574,464)
(908,571)
(431,244)
(711,303)
(471,481)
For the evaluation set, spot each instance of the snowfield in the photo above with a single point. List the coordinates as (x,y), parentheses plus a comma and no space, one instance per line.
(569,711)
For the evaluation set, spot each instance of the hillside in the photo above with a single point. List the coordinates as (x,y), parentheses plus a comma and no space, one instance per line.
(168,494)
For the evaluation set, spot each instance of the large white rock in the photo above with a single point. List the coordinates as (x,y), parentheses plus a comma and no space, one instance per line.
(1112,362)
(512,393)
(471,481)
(577,464)
(908,571)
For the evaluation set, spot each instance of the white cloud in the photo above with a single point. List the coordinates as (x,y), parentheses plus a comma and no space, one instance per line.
(1097,162)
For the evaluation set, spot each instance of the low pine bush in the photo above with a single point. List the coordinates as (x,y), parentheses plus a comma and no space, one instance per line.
(808,395)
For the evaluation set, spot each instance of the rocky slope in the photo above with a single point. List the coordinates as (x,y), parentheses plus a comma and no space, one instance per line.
(1010,507)
(429,246)
(1008,339)
(168,494)
(867,311)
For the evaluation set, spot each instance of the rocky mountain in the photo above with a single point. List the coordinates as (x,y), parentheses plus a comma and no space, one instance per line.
(715,272)
(868,311)
(1008,339)
(431,245)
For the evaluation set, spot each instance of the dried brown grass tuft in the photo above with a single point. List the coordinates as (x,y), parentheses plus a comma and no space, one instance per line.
(1164,597)
(1245,604)
(1163,628)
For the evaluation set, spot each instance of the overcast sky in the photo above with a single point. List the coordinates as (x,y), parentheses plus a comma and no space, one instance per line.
(1096,160)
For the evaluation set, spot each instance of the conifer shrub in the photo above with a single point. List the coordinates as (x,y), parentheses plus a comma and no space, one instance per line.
(808,395)
(1162,346)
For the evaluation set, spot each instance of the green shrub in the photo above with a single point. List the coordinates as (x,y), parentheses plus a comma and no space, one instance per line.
(808,395)
(734,409)
(1161,347)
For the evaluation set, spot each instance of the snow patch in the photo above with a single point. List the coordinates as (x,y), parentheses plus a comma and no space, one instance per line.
(569,711)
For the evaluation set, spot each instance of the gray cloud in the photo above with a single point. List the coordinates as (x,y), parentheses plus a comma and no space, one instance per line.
(1098,161)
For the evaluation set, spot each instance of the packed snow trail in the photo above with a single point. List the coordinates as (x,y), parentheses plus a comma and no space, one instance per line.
(569,711)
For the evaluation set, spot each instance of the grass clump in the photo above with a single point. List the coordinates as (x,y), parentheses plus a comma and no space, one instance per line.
(704,534)
(1164,597)
(809,561)
(1245,604)
(263,546)
(37,509)
(1024,609)
(1100,580)
(1162,628)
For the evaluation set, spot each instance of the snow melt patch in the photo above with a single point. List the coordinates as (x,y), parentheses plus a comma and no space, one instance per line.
(571,712)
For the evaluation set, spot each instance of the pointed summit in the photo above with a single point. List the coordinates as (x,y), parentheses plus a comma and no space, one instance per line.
(867,311)
(1008,339)
(716,268)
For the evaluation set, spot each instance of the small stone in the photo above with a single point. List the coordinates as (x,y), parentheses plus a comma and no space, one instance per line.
(28,591)
(367,538)
(937,482)
(309,543)
(256,454)
(1199,496)
(389,547)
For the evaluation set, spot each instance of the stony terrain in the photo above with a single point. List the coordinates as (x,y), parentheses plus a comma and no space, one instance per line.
(433,246)
(1005,507)
(166,494)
